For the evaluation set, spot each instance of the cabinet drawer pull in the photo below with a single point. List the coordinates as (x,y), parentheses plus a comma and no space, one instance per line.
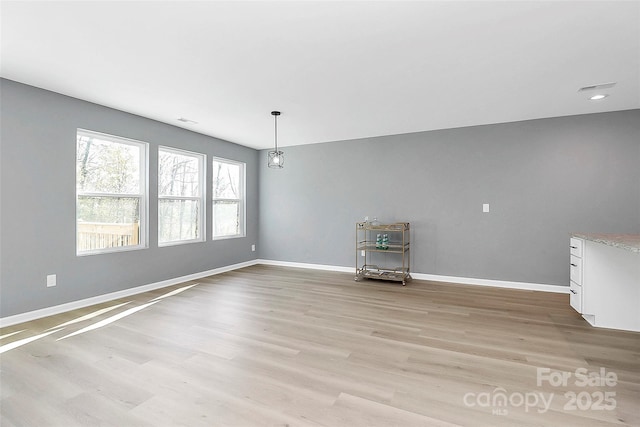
(573,247)
(574,265)
(573,292)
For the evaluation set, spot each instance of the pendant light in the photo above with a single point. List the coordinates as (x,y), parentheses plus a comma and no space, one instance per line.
(276,158)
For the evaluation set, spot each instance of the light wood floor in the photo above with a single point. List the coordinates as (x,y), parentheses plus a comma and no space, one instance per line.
(273,346)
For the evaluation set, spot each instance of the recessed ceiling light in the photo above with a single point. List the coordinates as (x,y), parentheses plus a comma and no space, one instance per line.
(184,120)
(598,97)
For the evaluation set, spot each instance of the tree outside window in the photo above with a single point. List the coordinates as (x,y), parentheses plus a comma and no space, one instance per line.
(110,193)
(180,196)
(228,198)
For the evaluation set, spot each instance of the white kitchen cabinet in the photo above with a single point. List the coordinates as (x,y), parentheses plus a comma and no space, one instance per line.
(575,273)
(605,279)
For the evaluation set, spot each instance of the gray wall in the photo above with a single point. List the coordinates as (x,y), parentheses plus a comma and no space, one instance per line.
(542,178)
(38,139)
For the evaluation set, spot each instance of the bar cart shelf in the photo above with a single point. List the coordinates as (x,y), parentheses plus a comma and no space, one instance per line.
(373,258)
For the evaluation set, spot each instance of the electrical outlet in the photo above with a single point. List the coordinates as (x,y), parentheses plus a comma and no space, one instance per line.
(485,207)
(51,280)
(362,253)
(253,248)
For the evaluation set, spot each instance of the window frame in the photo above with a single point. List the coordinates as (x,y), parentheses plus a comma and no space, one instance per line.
(241,201)
(202,165)
(143,226)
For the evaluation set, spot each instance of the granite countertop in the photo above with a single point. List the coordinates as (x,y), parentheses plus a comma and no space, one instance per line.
(629,242)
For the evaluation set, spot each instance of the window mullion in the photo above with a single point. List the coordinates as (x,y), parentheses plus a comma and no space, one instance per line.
(100,194)
(179,198)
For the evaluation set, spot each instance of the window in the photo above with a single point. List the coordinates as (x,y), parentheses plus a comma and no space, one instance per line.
(228,198)
(180,196)
(110,193)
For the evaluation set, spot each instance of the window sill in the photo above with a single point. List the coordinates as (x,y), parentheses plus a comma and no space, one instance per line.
(112,250)
(235,236)
(179,242)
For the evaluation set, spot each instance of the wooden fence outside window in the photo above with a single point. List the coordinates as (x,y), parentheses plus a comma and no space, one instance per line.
(100,235)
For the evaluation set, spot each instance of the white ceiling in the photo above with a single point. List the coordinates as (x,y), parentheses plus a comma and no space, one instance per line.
(336,70)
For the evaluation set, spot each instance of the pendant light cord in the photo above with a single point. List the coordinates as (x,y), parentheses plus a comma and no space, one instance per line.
(276,132)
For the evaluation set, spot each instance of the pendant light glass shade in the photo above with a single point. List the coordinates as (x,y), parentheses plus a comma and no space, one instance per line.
(276,157)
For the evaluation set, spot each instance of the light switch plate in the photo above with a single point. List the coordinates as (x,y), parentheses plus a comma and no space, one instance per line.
(485,207)
(51,280)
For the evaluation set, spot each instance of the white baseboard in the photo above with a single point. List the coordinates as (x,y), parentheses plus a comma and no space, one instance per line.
(433,277)
(305,265)
(495,283)
(57,309)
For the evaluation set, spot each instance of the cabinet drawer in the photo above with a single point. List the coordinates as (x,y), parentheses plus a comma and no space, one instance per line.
(575,269)
(575,245)
(575,292)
